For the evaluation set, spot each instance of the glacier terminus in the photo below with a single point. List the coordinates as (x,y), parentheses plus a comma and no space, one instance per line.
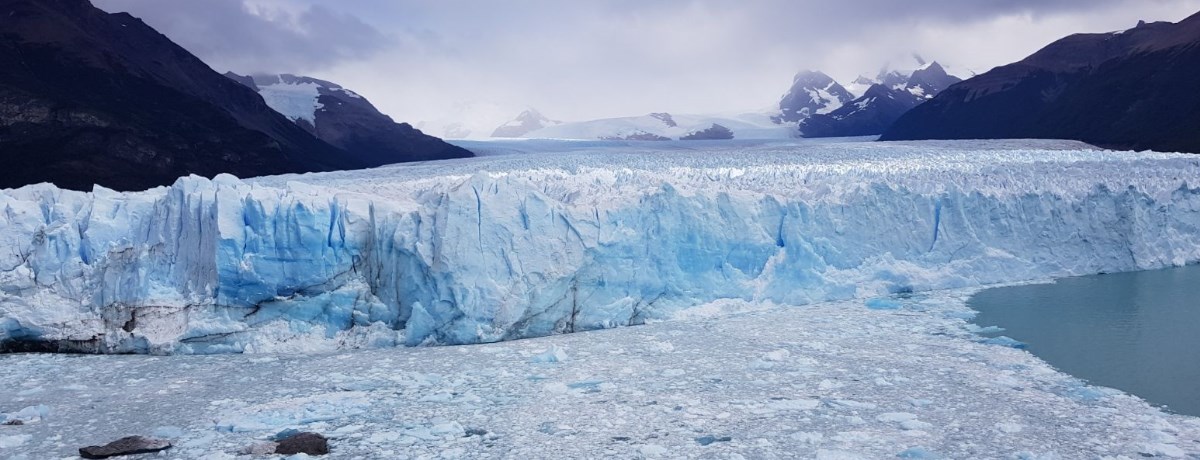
(604,235)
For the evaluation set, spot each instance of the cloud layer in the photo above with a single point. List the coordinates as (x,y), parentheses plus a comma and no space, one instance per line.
(419,60)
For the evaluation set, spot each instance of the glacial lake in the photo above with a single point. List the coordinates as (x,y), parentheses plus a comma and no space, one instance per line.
(1137,332)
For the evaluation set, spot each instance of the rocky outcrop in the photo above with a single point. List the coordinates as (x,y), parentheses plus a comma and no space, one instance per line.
(131,445)
(303,443)
(712,133)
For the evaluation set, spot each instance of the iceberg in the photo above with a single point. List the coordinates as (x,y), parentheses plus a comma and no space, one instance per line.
(515,246)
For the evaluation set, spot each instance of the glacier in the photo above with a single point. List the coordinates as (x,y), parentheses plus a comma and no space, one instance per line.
(570,237)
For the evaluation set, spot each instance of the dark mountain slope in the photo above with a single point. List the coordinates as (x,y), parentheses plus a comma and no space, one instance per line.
(881,105)
(90,97)
(350,122)
(1135,89)
(868,115)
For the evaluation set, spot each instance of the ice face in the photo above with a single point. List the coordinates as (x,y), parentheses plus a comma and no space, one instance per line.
(518,246)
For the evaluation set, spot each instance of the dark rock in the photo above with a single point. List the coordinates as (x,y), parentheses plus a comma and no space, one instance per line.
(130,445)
(714,132)
(1131,90)
(666,118)
(637,136)
(303,443)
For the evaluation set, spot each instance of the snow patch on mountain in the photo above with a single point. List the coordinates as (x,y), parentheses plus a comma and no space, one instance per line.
(296,101)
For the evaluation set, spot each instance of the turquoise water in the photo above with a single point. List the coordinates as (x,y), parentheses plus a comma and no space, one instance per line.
(1137,332)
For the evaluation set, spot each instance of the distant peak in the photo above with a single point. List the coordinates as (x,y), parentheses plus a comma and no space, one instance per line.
(932,69)
(810,75)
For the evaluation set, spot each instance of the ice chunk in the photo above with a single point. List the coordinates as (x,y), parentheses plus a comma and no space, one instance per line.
(793,404)
(28,414)
(1004,341)
(554,354)
(11,441)
(883,304)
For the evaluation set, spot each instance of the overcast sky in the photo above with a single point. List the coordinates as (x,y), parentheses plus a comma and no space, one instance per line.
(578,59)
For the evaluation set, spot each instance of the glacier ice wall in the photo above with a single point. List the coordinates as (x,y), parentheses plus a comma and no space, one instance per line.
(509,247)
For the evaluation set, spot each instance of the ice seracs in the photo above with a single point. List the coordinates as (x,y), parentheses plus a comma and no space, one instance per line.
(519,246)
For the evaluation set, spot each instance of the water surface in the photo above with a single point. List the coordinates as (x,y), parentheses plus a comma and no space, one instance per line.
(1137,332)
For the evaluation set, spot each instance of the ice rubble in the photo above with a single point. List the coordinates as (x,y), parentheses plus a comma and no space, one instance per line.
(518,246)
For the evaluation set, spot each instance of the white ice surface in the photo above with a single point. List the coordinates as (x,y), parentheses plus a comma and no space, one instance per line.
(830,380)
(606,235)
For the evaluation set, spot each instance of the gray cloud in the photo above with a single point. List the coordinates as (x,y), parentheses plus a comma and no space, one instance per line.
(419,59)
(234,35)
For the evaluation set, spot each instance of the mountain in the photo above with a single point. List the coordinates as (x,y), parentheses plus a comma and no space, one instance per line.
(347,120)
(929,81)
(811,93)
(90,97)
(469,120)
(525,123)
(868,115)
(889,96)
(1133,89)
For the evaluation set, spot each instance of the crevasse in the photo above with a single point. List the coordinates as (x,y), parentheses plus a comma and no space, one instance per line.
(510,247)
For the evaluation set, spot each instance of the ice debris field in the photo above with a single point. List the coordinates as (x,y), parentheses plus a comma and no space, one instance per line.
(797,299)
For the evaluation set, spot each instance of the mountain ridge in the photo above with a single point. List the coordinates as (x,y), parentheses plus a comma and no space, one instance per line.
(1127,89)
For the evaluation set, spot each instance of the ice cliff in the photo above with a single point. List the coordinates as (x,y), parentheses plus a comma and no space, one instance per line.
(517,246)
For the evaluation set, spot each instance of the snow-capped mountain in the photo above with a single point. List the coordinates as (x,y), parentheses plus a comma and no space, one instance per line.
(868,115)
(469,120)
(1131,89)
(930,80)
(663,126)
(346,120)
(890,95)
(528,121)
(811,93)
